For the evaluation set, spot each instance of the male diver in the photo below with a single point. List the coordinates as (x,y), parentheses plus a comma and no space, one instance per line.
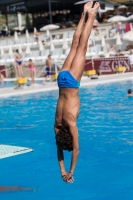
(68,104)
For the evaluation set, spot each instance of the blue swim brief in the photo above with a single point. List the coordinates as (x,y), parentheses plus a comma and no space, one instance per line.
(48,72)
(19,62)
(67,80)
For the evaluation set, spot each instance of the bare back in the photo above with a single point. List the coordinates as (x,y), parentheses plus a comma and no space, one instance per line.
(67,106)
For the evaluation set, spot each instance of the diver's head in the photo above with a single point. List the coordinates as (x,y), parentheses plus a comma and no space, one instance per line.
(64,139)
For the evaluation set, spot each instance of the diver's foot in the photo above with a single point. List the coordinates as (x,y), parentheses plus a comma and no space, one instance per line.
(88,6)
(93,11)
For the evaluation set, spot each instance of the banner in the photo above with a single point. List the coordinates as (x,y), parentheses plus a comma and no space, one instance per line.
(107,65)
(16,7)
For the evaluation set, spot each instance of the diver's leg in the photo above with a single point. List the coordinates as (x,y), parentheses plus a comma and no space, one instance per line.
(78,63)
(76,38)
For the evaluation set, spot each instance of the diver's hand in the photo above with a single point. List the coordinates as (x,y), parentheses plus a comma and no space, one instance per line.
(64,176)
(69,177)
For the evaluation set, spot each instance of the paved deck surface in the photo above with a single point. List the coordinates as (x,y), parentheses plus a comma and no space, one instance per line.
(86,81)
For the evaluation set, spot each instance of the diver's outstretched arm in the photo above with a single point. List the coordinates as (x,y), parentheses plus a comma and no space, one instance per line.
(74,132)
(67,177)
(60,156)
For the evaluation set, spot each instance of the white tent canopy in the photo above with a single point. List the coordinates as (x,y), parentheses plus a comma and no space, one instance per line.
(20,49)
(90,43)
(65,45)
(52,48)
(108,6)
(19,21)
(35,30)
(41,47)
(122,7)
(117,18)
(131,27)
(28,51)
(1,51)
(118,40)
(48,33)
(49,27)
(10,51)
(105,10)
(80,2)
(6,28)
(130,17)
(27,34)
(15,36)
(128,36)
(103,41)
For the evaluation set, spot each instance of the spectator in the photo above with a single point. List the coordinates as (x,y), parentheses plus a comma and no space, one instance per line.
(112,48)
(129,93)
(37,37)
(32,71)
(18,63)
(130,57)
(48,69)
(1,77)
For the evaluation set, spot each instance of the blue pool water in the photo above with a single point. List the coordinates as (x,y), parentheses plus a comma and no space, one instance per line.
(105,166)
(7,84)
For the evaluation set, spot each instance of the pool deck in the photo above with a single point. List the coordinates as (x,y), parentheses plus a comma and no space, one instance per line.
(85,81)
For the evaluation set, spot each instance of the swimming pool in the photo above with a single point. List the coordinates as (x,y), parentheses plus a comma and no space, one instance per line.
(6,84)
(105,165)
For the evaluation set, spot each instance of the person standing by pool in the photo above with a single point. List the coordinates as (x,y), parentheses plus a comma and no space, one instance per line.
(37,37)
(1,77)
(130,57)
(18,63)
(32,71)
(68,104)
(48,69)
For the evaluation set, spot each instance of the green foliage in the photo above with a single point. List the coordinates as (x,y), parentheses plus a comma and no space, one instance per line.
(28,22)
(12,70)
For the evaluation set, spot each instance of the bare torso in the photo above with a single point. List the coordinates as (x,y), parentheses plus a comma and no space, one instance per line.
(18,57)
(68,107)
(48,63)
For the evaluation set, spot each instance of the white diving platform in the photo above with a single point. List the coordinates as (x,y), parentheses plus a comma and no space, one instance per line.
(8,151)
